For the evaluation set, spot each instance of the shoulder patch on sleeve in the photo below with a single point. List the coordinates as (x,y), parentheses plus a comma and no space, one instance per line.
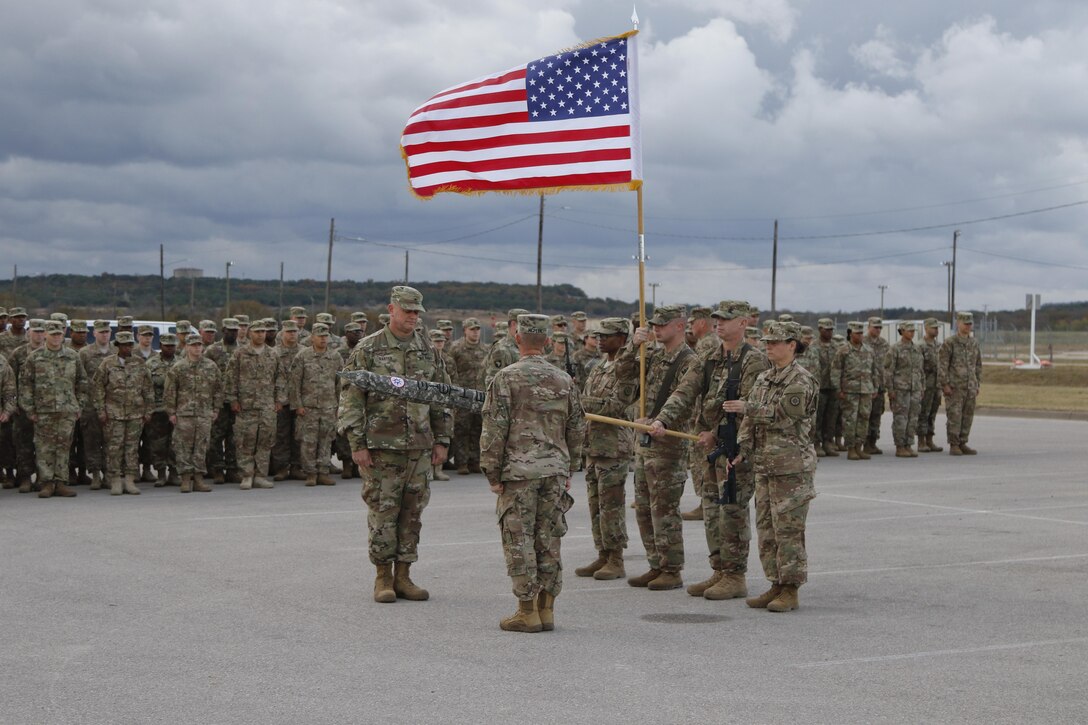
(793,401)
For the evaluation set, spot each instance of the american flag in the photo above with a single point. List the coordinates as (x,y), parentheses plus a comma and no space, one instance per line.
(565,121)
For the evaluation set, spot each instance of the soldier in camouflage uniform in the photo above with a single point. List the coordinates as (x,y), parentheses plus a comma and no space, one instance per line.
(7,447)
(810,358)
(959,373)
(608,451)
(531,442)
(395,443)
(123,399)
(879,347)
(439,340)
(578,332)
(286,457)
(661,467)
(22,426)
(94,441)
(905,382)
(853,372)
(504,351)
(313,389)
(827,412)
(51,385)
(16,335)
(588,355)
(329,321)
(298,314)
(158,430)
(931,400)
(222,460)
(468,356)
(776,436)
(192,398)
(253,392)
(561,358)
(9,404)
(353,333)
(703,391)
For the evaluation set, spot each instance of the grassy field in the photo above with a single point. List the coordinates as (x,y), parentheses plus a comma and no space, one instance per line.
(1062,388)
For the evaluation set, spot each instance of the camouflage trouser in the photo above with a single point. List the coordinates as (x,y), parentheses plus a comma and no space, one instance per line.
(155,441)
(190,444)
(875,414)
(254,434)
(94,442)
(927,416)
(222,447)
(314,433)
(855,418)
(781,510)
(123,443)
(959,408)
(659,484)
(24,441)
(827,416)
(532,521)
(7,447)
(285,453)
(727,527)
(466,438)
(395,490)
(696,468)
(605,481)
(905,409)
(52,442)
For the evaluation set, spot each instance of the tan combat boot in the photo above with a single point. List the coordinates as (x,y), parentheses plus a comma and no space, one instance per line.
(172,478)
(696,514)
(902,452)
(262,482)
(933,447)
(852,454)
(47,491)
(545,607)
(296,473)
(60,489)
(160,481)
(697,590)
(436,471)
(923,445)
(871,449)
(405,588)
(830,450)
(954,450)
(383,584)
(198,484)
(913,453)
(730,586)
(644,579)
(967,451)
(130,486)
(765,598)
(462,469)
(324,479)
(591,568)
(862,453)
(311,480)
(613,569)
(187,483)
(117,486)
(786,601)
(247,483)
(282,475)
(526,619)
(667,580)
(218,476)
(840,444)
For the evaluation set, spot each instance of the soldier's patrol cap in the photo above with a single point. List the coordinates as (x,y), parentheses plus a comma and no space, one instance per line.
(445,325)
(356,327)
(257,326)
(290,326)
(36,325)
(358,316)
(298,312)
(78,325)
(751,332)
(52,327)
(407,298)
(534,324)
(876,322)
(664,314)
(785,317)
(699,313)
(826,323)
(145,330)
(470,323)
(242,319)
(807,331)
(168,338)
(500,333)
(558,320)
(515,313)
(230,323)
(124,338)
(17,312)
(204,325)
(384,318)
(614,326)
(436,335)
(269,324)
(124,321)
(59,317)
(320,329)
(326,318)
(3,311)
(906,325)
(731,310)
(194,339)
(932,322)
(781,331)
(966,317)
(579,315)
(560,337)
(101,325)
(838,338)
(855,326)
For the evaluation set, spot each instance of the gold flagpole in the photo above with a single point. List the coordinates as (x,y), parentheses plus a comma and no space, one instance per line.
(641,307)
(637,426)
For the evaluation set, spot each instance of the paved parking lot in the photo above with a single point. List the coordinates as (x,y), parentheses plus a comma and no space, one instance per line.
(941,590)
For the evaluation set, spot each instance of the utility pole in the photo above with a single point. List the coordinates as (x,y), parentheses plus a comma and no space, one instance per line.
(540,258)
(229,265)
(948,293)
(15,286)
(952,286)
(279,312)
(774,270)
(882,288)
(328,267)
(162,286)
(653,293)
(405,266)
(192,295)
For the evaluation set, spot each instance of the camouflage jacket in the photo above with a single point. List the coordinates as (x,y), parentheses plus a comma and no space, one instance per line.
(8,390)
(468,359)
(250,379)
(776,433)
(533,423)
(313,382)
(220,353)
(931,352)
(560,361)
(370,420)
(122,389)
(657,366)
(826,353)
(879,347)
(52,382)
(193,390)
(587,360)
(903,368)
(18,361)
(345,352)
(285,358)
(705,384)
(853,370)
(91,357)
(604,395)
(502,353)
(707,344)
(157,367)
(960,364)
(810,361)
(9,343)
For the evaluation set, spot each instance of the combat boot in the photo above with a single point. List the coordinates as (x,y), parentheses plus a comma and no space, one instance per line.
(786,601)
(933,447)
(296,473)
(73,477)
(117,486)
(351,471)
(198,484)
(311,480)
(820,452)
(954,450)
(923,446)
(871,449)
(172,478)
(234,476)
(218,476)
(187,483)
(247,483)
(862,453)
(262,482)
(697,590)
(696,514)
(902,452)
(591,568)
(436,471)
(830,450)
(667,580)
(526,619)
(383,584)
(60,489)
(613,569)
(913,453)
(840,444)
(324,479)
(47,491)
(130,486)
(404,587)
(146,476)
(730,586)
(282,475)
(644,579)
(545,608)
(160,481)
(24,485)
(765,598)
(462,469)
(967,451)
(334,469)
(8,483)
(852,454)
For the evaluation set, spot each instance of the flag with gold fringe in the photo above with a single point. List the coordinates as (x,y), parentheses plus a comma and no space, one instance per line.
(567,121)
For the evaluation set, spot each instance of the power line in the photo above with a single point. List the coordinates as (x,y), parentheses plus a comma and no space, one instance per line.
(1023,259)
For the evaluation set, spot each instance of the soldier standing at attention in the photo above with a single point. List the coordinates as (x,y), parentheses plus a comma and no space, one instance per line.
(588,355)
(661,466)
(959,373)
(579,322)
(395,442)
(286,459)
(608,451)
(222,452)
(439,340)
(879,347)
(505,351)
(123,398)
(94,442)
(446,328)
(243,329)
(531,443)
(827,413)
(468,356)
(931,400)
(7,447)
(192,399)
(853,372)
(15,335)
(905,382)
(752,337)
(251,389)
(51,384)
(353,333)
(776,436)
(313,391)
(158,430)
(9,403)
(23,427)
(77,335)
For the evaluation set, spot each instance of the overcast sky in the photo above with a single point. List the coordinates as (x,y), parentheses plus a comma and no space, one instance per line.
(231,130)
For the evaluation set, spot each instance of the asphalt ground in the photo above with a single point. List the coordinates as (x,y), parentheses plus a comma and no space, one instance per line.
(941,590)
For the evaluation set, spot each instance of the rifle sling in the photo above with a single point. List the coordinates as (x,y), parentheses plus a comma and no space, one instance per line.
(670,377)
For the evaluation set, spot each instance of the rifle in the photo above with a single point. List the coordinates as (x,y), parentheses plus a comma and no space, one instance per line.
(569,364)
(727,444)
